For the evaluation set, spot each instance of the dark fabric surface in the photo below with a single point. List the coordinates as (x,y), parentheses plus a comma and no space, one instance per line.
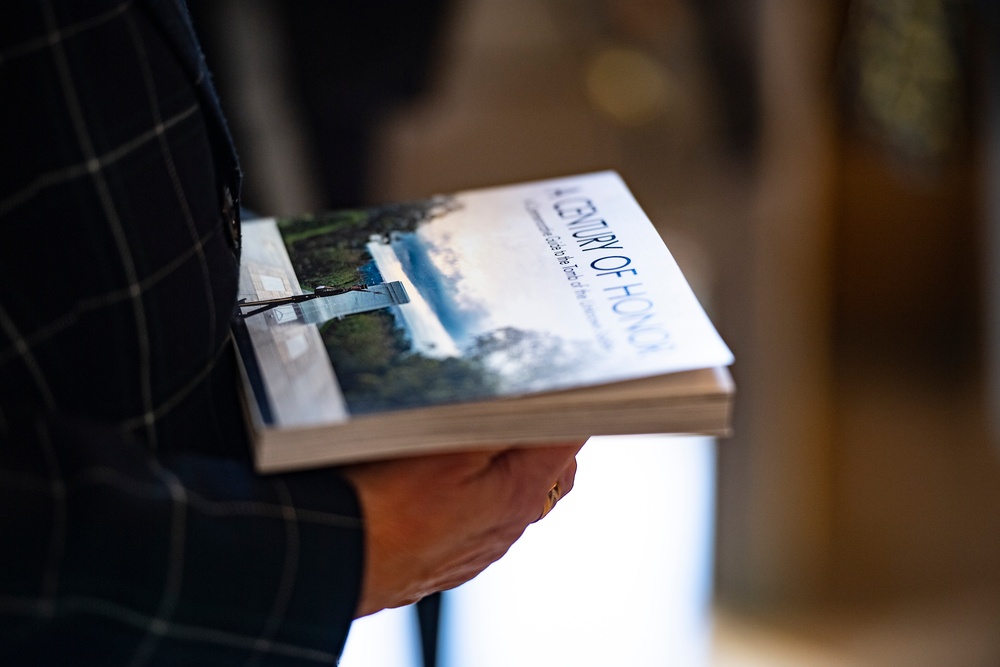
(134,528)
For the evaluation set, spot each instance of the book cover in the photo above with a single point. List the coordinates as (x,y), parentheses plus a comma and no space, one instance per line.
(459,299)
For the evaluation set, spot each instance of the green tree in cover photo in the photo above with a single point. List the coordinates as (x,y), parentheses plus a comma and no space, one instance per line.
(329,248)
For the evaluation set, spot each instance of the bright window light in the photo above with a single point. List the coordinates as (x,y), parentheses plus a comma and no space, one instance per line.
(618,574)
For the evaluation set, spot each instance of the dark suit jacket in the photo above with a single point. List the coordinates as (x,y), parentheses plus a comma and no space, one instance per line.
(132,527)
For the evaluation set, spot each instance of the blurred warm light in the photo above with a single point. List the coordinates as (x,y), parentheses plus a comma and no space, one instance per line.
(628,86)
(909,78)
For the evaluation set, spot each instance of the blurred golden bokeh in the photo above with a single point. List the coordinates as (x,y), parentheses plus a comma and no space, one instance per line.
(628,86)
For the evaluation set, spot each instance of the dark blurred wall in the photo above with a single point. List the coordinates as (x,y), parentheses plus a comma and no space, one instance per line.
(346,65)
(908,267)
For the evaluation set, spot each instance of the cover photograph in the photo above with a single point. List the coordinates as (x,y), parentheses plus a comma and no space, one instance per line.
(462,298)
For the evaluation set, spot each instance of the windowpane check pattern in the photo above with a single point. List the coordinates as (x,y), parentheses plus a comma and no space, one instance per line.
(135,531)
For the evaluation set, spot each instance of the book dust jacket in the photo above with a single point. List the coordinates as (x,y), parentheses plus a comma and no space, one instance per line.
(482,294)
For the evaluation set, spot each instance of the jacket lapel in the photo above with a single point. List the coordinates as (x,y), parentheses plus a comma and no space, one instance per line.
(174,22)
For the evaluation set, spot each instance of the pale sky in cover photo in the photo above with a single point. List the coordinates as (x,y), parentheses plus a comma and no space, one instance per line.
(504,278)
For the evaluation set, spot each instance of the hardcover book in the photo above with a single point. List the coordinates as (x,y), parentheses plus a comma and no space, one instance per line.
(527,313)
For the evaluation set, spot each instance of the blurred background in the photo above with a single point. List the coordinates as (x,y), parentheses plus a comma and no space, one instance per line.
(827,174)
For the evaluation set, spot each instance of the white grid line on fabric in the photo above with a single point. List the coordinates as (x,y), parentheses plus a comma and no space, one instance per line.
(57,539)
(168,160)
(66,174)
(288,573)
(160,624)
(25,355)
(111,213)
(85,605)
(103,475)
(109,298)
(164,408)
(39,43)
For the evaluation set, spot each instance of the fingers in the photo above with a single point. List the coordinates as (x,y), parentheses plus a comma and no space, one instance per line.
(532,479)
(434,522)
(539,465)
(562,486)
(567,477)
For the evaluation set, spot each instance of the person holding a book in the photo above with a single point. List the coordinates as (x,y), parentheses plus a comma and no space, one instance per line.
(134,528)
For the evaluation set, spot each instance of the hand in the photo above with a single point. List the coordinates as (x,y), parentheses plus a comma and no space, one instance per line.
(432,523)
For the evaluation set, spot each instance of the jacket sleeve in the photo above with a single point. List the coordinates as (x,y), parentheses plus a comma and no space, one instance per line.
(133,529)
(115,556)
